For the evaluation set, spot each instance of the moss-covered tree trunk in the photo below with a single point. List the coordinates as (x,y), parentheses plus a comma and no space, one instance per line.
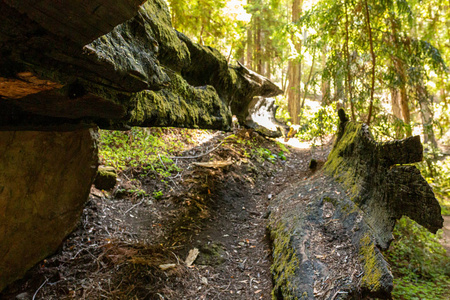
(327,233)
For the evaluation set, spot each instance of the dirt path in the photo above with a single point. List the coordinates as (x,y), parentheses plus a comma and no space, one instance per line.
(135,247)
(446,236)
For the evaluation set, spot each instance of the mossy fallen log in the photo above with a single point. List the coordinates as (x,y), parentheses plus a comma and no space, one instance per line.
(328,232)
(74,69)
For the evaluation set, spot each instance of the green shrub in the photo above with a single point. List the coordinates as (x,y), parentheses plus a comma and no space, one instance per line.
(137,148)
(419,263)
(316,126)
(436,170)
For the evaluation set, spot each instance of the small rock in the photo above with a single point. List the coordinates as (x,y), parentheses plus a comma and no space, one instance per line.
(204,281)
(212,254)
(106,178)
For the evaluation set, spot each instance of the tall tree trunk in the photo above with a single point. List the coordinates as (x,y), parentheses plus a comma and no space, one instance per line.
(258,49)
(395,103)
(426,114)
(348,80)
(372,54)
(249,54)
(294,70)
(400,70)
(404,104)
(325,85)
(249,60)
(305,92)
(339,93)
(396,111)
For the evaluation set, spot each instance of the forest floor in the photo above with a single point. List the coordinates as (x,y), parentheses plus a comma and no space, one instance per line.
(133,245)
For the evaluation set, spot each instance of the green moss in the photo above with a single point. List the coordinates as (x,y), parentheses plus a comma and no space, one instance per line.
(372,271)
(180,105)
(339,165)
(211,255)
(173,52)
(285,262)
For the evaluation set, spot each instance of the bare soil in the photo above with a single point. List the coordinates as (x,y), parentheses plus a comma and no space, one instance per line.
(132,246)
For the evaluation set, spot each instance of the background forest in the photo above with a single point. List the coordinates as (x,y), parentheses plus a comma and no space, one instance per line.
(385,61)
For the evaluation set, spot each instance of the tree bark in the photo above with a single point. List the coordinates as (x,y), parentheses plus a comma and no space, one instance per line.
(349,75)
(258,48)
(396,112)
(339,86)
(249,56)
(395,103)
(294,70)
(372,54)
(325,85)
(426,115)
(400,70)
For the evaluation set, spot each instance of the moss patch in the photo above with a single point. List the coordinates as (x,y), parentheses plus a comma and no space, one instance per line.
(180,105)
(372,270)
(285,262)
(211,255)
(339,165)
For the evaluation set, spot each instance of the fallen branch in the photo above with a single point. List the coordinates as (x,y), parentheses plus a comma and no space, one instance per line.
(42,285)
(200,155)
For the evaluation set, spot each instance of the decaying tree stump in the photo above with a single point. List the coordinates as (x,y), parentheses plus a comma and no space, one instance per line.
(328,232)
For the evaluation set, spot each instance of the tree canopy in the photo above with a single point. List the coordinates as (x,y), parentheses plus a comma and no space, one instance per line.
(384,60)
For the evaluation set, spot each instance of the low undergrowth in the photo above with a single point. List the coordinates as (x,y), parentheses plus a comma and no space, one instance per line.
(144,148)
(421,268)
(436,170)
(148,156)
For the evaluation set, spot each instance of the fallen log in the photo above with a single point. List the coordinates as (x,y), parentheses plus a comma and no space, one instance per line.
(328,232)
(73,66)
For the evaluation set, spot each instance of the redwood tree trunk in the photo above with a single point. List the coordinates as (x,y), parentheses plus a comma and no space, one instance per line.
(325,85)
(349,94)
(249,53)
(400,70)
(257,45)
(372,54)
(294,70)
(426,115)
